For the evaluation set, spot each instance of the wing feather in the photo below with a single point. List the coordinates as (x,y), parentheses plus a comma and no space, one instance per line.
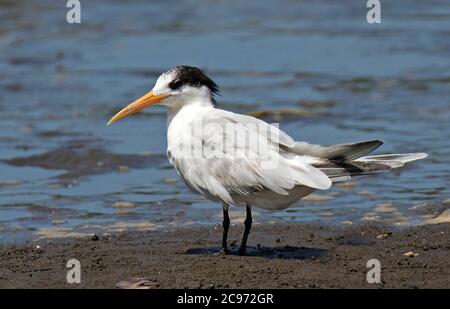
(243,169)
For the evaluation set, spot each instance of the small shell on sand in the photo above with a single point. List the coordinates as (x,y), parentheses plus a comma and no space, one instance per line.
(384,235)
(410,254)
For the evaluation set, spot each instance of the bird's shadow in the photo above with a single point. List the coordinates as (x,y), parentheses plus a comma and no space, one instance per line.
(281,252)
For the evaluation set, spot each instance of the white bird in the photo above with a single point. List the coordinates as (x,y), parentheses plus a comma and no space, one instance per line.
(264,167)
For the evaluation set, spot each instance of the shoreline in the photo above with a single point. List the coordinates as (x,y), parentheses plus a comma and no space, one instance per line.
(279,256)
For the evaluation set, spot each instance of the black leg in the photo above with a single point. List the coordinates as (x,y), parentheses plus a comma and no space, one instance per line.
(226,226)
(248,226)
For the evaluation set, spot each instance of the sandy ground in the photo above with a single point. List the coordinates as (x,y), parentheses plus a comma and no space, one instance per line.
(286,256)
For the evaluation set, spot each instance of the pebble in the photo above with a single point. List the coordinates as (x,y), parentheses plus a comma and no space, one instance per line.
(410,254)
(384,235)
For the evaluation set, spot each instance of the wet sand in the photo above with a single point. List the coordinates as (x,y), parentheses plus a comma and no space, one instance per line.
(280,256)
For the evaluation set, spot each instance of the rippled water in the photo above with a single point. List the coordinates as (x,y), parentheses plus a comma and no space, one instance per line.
(317,68)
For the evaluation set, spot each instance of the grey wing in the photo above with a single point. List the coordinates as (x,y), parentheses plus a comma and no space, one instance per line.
(242,169)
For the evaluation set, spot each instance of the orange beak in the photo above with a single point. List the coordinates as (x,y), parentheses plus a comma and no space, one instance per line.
(147,100)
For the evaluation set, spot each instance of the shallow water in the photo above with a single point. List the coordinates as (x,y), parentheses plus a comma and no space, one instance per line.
(317,68)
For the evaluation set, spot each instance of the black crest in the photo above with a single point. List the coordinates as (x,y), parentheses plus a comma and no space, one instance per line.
(191,76)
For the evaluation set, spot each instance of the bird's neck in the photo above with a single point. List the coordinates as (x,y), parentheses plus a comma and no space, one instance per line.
(188,107)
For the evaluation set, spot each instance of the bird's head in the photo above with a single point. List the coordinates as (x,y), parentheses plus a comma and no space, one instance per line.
(177,86)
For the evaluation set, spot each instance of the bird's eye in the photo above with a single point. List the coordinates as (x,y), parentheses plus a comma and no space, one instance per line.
(176,84)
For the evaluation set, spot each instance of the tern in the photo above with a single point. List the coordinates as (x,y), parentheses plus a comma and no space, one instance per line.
(264,168)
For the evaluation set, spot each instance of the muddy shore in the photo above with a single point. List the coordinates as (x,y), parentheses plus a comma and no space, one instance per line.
(280,256)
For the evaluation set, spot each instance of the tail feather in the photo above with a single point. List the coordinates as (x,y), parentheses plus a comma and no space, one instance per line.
(343,171)
(402,157)
(339,152)
(350,152)
(343,161)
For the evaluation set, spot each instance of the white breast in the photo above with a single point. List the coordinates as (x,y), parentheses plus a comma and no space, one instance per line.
(237,176)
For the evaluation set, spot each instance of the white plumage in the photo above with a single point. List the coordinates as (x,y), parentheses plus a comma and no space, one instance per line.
(238,174)
(241,160)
